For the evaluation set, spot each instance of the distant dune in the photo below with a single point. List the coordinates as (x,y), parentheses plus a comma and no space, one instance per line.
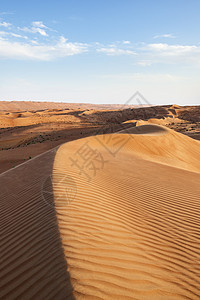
(113,216)
(43,105)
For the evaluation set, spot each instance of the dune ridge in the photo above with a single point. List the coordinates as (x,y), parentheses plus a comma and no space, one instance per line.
(160,144)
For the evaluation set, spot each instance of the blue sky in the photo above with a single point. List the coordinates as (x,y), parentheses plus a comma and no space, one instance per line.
(100,51)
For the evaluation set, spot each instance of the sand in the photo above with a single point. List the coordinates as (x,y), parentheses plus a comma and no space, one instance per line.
(113,216)
(46,105)
(29,128)
(32,259)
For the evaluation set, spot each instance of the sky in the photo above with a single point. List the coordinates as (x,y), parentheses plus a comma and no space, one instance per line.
(100,51)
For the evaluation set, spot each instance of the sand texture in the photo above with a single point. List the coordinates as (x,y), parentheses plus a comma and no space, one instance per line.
(113,216)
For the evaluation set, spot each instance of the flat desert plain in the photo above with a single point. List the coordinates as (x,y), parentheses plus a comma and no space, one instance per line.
(99,202)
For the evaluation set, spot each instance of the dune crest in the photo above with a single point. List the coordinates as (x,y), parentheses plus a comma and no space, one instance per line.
(163,145)
(146,129)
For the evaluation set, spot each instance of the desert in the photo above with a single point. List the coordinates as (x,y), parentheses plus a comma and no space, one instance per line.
(99,150)
(99,203)
(30,128)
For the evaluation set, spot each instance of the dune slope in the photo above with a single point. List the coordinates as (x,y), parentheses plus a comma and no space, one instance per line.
(33,265)
(130,229)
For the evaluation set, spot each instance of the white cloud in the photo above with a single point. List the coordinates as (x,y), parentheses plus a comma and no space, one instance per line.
(34,30)
(19,50)
(167,35)
(116,51)
(3,33)
(34,42)
(39,24)
(6,33)
(142,54)
(183,52)
(148,54)
(5,24)
(172,49)
(169,54)
(18,35)
(39,30)
(63,39)
(37,27)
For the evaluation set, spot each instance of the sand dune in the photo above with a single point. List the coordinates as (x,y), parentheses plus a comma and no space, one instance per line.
(31,128)
(160,144)
(164,121)
(115,216)
(146,129)
(43,105)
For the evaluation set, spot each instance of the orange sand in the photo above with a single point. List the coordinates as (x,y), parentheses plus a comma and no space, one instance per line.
(126,225)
